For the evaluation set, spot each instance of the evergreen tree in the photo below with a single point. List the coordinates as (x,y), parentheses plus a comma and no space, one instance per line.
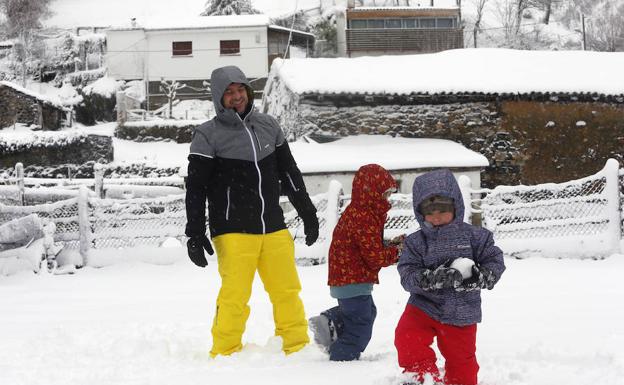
(229,7)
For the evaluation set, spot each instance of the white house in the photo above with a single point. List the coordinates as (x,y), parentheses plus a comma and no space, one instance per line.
(186,49)
(189,49)
(405,158)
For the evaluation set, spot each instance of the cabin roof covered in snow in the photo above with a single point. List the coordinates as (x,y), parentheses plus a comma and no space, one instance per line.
(483,70)
(350,153)
(195,22)
(51,101)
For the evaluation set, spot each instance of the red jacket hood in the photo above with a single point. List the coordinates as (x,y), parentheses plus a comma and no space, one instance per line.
(370,182)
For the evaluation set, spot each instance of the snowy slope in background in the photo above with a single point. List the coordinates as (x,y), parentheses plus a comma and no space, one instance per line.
(548,322)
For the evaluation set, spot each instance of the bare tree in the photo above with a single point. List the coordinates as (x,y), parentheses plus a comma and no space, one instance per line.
(479,6)
(506,13)
(606,28)
(170,89)
(23,20)
(547,11)
(521,6)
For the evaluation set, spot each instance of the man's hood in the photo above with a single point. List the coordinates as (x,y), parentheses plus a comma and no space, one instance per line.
(438,182)
(220,79)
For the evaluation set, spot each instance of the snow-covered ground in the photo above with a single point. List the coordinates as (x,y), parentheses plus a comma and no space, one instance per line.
(548,322)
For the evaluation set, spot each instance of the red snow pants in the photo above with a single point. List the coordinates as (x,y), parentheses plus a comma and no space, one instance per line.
(413,338)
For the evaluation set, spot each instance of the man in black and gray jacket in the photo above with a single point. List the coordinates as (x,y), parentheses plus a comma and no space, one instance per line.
(238,161)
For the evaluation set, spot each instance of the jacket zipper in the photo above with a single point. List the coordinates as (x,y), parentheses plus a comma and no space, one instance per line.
(292,183)
(227,207)
(257,140)
(259,174)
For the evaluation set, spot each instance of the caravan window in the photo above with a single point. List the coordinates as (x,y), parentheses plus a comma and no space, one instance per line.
(182,48)
(229,47)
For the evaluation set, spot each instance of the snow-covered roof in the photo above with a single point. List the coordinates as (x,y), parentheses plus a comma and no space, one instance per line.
(349,153)
(481,70)
(52,101)
(196,22)
(404,8)
(6,43)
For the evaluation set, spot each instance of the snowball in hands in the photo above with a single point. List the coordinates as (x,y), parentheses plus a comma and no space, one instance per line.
(464,265)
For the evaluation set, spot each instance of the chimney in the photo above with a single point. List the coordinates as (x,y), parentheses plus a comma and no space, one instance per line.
(133,22)
(350,4)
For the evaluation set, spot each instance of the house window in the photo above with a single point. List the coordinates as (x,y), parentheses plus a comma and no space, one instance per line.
(229,47)
(409,23)
(393,23)
(445,23)
(427,23)
(182,48)
(358,24)
(376,23)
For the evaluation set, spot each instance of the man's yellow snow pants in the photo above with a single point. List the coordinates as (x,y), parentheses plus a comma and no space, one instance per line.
(273,256)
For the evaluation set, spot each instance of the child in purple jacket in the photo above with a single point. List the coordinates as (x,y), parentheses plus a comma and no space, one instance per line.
(443,266)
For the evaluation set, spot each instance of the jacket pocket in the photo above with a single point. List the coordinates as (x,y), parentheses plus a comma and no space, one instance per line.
(227,204)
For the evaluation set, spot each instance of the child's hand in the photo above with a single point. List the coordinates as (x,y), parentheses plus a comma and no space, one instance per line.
(398,240)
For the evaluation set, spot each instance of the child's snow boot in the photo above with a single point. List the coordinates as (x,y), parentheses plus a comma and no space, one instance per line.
(324,330)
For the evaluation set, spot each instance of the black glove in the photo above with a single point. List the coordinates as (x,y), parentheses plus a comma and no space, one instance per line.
(310,228)
(482,278)
(441,278)
(194,247)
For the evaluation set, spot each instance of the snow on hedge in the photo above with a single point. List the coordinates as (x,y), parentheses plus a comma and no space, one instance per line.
(164,123)
(105,86)
(69,95)
(21,140)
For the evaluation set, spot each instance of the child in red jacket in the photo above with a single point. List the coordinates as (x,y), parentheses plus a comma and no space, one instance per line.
(356,255)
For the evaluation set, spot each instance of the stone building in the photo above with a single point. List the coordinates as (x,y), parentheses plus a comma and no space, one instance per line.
(19,105)
(536,116)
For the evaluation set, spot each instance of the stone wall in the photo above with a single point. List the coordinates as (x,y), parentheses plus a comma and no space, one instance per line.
(93,148)
(26,109)
(526,142)
(15,107)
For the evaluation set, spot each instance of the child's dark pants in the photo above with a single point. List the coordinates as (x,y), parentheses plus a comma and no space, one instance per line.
(353,319)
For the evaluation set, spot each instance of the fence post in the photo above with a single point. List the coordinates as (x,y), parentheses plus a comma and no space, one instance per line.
(120,100)
(98,174)
(612,191)
(19,170)
(334,191)
(84,227)
(465,188)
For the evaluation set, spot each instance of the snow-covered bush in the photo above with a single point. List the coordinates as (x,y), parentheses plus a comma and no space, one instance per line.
(83,78)
(32,140)
(98,101)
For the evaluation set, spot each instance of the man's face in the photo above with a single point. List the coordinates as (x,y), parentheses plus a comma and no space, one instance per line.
(235,96)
